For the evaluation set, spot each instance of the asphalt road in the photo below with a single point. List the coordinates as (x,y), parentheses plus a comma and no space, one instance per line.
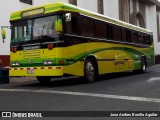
(113,92)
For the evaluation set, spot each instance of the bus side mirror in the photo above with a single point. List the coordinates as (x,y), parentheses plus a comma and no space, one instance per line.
(3,32)
(58,25)
(68,17)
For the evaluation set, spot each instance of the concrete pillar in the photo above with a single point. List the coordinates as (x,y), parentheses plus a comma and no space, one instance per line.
(111,8)
(151,22)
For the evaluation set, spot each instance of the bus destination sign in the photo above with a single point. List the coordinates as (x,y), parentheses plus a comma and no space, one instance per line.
(32,12)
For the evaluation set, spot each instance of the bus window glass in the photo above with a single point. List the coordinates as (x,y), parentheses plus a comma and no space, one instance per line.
(109,31)
(21,31)
(35,29)
(72,26)
(100,29)
(68,27)
(87,26)
(44,27)
(151,39)
(134,36)
(117,33)
(128,35)
(147,40)
(124,34)
(140,38)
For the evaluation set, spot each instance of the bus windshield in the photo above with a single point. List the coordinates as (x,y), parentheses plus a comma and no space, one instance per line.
(35,29)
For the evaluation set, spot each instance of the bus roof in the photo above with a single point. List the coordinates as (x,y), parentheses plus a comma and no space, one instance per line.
(61,6)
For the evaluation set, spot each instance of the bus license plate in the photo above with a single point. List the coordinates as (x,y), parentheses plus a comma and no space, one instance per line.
(31,71)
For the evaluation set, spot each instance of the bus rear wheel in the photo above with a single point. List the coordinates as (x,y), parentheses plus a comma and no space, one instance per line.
(90,71)
(44,79)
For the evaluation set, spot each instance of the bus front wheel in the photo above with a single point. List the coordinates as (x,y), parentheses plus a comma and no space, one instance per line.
(143,68)
(44,79)
(143,65)
(90,71)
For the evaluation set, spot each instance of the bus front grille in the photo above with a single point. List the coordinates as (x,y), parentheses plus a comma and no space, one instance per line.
(29,54)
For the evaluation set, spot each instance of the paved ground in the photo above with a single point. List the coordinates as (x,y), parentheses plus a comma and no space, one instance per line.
(113,92)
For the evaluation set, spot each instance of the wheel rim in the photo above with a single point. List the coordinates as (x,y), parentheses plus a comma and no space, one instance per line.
(144,67)
(90,71)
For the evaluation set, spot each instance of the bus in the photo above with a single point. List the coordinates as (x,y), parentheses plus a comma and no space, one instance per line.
(60,39)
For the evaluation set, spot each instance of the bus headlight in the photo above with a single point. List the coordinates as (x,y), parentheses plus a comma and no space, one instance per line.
(47,62)
(15,64)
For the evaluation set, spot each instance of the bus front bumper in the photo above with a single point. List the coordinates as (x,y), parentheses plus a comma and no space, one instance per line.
(36,71)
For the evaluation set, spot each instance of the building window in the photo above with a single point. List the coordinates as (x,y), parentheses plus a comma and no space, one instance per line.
(26,1)
(73,2)
(100,6)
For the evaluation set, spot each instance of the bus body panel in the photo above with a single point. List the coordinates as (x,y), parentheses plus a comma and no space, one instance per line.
(110,58)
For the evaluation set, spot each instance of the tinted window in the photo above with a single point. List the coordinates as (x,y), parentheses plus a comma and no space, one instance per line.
(117,33)
(140,38)
(124,36)
(72,26)
(134,36)
(87,26)
(100,29)
(147,39)
(110,31)
(128,35)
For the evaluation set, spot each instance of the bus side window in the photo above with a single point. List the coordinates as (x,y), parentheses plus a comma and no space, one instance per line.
(117,33)
(87,26)
(74,25)
(71,26)
(140,38)
(110,31)
(148,42)
(151,39)
(134,36)
(128,35)
(100,29)
(146,39)
(124,37)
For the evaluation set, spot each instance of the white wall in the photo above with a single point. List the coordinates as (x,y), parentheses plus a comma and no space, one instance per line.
(88,4)
(111,8)
(6,8)
(42,2)
(151,23)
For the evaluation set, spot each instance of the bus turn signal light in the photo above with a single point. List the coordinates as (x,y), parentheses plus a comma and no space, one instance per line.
(50,46)
(61,62)
(14,50)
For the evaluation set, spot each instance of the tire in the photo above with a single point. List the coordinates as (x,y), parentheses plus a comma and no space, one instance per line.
(44,79)
(90,71)
(143,65)
(143,68)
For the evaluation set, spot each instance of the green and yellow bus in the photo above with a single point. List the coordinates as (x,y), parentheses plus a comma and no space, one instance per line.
(60,39)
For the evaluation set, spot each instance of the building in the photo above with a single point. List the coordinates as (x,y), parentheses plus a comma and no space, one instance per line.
(144,13)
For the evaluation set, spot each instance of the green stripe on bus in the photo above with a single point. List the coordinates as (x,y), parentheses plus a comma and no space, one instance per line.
(39,61)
